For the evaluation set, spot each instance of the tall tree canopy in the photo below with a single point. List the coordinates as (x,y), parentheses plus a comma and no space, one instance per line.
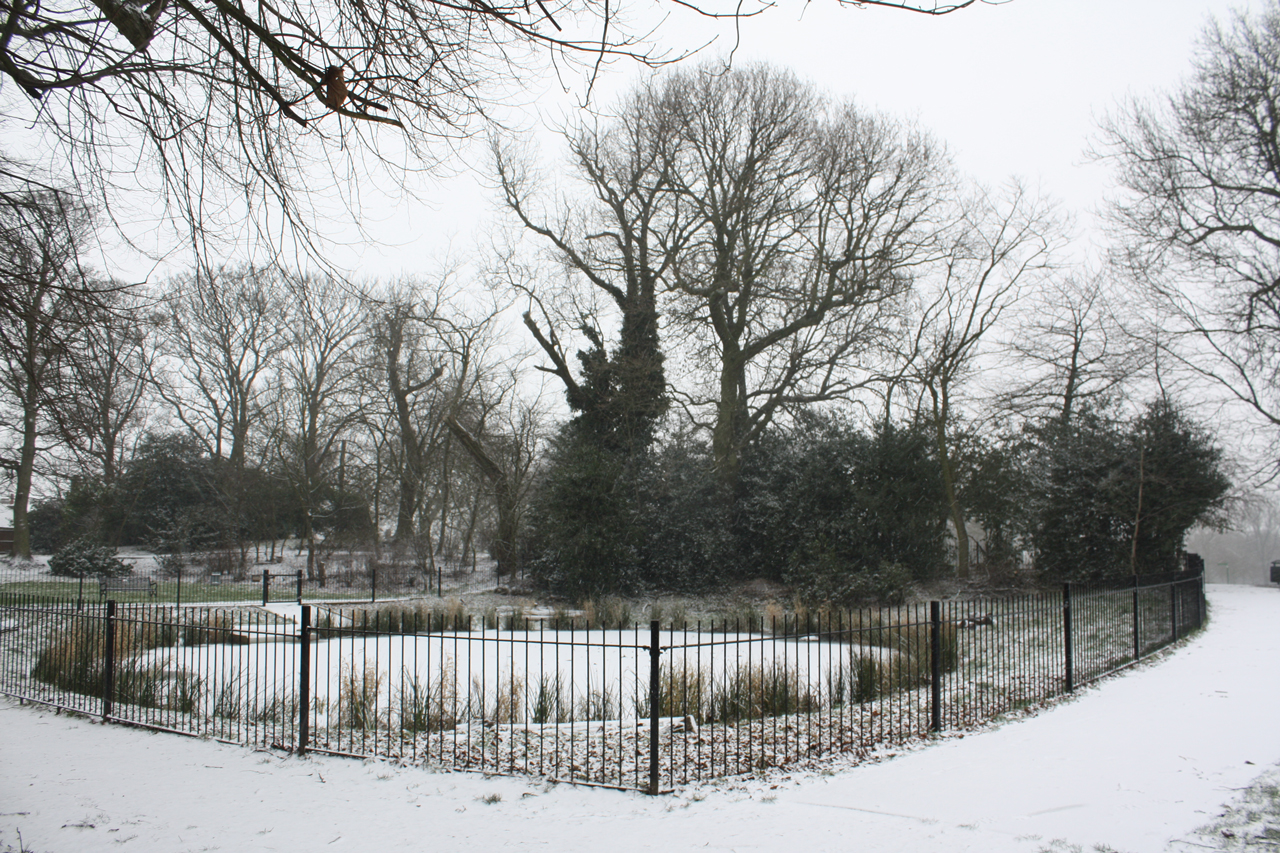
(776,230)
(1199,224)
(256,109)
(45,294)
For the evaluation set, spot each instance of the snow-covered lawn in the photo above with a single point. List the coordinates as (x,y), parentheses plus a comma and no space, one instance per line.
(1131,764)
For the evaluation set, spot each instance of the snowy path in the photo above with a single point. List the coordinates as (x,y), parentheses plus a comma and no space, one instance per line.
(1128,766)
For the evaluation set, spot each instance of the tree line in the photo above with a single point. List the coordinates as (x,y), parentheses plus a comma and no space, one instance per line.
(248,404)
(797,260)
(793,341)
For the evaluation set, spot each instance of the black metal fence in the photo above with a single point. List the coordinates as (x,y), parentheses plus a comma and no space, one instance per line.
(356,576)
(632,706)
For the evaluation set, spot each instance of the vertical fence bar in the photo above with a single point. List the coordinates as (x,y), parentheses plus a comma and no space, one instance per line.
(178,598)
(304,678)
(266,586)
(655,703)
(1173,612)
(1137,633)
(1066,637)
(935,666)
(373,581)
(299,586)
(109,662)
(1193,620)
(1201,602)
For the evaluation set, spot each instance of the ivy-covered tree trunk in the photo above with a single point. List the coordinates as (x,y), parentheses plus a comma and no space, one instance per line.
(641,392)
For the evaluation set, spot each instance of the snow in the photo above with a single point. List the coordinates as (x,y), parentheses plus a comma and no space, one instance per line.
(1137,762)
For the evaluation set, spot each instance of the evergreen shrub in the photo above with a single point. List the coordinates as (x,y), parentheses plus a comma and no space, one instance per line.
(84,558)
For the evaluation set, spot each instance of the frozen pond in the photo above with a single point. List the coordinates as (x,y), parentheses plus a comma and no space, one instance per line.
(507,676)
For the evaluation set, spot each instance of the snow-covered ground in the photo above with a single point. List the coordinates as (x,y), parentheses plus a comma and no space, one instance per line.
(1140,762)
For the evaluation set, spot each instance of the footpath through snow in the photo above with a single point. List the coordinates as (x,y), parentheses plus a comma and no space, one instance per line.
(1137,763)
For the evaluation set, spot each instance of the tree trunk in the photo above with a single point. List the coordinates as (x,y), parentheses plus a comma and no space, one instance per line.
(1137,516)
(445,481)
(728,427)
(22,494)
(949,488)
(957,516)
(377,503)
(504,546)
(407,503)
(309,539)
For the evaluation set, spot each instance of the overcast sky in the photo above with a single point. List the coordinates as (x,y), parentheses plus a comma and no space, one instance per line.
(1013,89)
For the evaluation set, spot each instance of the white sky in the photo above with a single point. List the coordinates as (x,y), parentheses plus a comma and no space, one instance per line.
(1013,90)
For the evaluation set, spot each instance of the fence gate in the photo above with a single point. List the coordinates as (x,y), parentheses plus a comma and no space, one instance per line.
(285,586)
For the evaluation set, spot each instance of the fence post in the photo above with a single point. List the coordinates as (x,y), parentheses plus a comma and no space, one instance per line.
(266,586)
(299,586)
(304,680)
(1173,612)
(1137,633)
(178,602)
(1201,602)
(109,662)
(80,596)
(935,665)
(1066,637)
(655,703)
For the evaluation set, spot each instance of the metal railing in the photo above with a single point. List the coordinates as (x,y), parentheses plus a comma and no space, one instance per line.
(634,706)
(346,577)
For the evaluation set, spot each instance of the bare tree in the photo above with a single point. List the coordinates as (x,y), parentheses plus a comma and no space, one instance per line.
(810,217)
(429,358)
(998,248)
(45,292)
(20,183)
(318,399)
(407,370)
(622,244)
(99,396)
(1198,224)
(1073,348)
(222,337)
(251,108)
(775,230)
(502,440)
